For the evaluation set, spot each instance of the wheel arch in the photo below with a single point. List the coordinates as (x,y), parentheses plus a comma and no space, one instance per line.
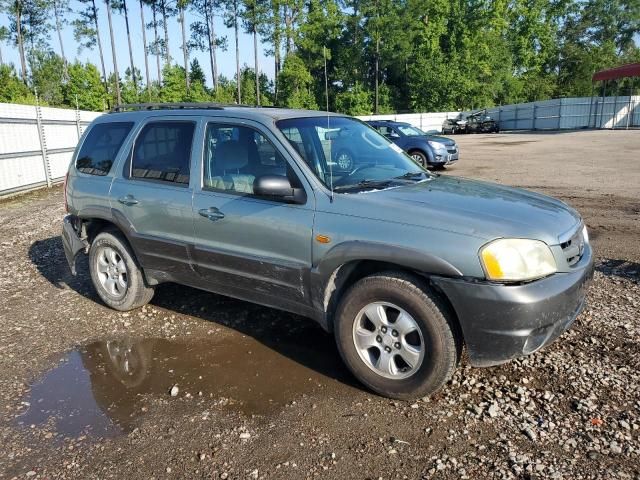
(100,220)
(347,263)
(426,151)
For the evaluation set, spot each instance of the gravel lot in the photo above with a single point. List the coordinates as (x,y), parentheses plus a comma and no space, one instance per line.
(200,386)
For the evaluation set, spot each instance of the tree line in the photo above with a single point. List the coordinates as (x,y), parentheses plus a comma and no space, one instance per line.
(357,56)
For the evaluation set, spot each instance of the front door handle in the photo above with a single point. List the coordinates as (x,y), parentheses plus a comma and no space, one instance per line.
(128,200)
(212,213)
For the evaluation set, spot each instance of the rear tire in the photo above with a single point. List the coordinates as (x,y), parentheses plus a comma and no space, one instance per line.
(397,366)
(115,273)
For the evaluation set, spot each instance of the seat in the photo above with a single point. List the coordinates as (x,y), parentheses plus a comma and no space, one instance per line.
(228,160)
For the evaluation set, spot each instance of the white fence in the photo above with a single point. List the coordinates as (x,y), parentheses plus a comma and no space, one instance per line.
(556,114)
(424,121)
(36,144)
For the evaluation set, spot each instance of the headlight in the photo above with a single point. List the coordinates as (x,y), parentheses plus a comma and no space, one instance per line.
(517,259)
(435,145)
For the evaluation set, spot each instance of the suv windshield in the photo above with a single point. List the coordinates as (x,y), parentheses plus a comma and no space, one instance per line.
(346,154)
(410,131)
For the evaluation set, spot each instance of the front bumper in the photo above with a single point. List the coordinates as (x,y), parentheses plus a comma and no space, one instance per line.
(502,322)
(444,157)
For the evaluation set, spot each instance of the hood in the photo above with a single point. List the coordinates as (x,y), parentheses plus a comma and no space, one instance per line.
(436,138)
(471,207)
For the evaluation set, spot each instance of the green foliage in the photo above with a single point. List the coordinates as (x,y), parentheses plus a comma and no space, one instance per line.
(173,84)
(226,92)
(47,76)
(371,55)
(248,86)
(294,83)
(354,101)
(13,89)
(85,86)
(196,74)
(129,90)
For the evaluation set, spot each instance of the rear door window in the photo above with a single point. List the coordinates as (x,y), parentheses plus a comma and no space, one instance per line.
(162,152)
(101,146)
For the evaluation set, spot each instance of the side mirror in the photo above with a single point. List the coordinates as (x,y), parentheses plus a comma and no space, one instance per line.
(392,135)
(278,187)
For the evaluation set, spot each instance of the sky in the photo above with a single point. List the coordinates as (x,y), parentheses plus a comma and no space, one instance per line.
(226,60)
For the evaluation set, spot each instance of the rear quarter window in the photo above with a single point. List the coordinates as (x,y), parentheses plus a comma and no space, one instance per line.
(101,146)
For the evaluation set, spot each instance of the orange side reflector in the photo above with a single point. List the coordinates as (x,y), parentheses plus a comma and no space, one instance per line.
(323,239)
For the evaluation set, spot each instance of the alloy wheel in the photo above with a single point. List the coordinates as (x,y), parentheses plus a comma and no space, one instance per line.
(112,272)
(388,340)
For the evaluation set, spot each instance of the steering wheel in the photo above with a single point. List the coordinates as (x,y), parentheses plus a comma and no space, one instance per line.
(356,170)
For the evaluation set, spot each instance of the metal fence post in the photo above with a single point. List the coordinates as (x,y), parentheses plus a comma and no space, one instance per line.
(614,119)
(591,106)
(78,119)
(629,109)
(604,94)
(43,142)
(515,120)
(535,111)
(559,114)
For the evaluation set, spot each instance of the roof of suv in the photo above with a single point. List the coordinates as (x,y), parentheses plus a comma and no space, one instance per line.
(390,122)
(145,110)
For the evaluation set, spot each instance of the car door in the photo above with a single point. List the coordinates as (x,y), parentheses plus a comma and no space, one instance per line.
(391,134)
(244,245)
(152,197)
(399,138)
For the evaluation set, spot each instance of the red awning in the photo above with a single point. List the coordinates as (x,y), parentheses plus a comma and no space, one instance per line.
(629,70)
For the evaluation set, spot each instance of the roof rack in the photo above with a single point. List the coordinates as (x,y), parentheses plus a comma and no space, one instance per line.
(172,106)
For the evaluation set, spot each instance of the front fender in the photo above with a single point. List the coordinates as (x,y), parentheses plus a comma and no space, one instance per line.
(324,275)
(423,147)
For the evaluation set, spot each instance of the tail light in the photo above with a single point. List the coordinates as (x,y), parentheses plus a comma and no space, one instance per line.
(66,204)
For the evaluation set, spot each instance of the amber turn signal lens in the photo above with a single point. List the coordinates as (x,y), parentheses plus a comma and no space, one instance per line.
(323,239)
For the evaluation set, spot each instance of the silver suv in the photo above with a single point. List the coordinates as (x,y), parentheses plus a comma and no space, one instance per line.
(404,267)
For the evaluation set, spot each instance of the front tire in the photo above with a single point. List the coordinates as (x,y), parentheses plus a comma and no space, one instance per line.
(115,273)
(419,157)
(344,160)
(396,337)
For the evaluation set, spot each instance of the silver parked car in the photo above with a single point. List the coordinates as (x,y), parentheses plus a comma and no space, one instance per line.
(404,267)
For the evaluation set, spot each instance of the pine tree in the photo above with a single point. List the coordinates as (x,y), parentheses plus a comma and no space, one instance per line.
(254,15)
(87,33)
(203,33)
(231,20)
(182,5)
(116,75)
(143,28)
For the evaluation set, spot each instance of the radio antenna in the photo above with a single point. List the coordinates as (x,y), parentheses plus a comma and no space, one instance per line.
(326,95)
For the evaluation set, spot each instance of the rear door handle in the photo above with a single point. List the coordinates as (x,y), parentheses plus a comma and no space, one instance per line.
(128,200)
(212,213)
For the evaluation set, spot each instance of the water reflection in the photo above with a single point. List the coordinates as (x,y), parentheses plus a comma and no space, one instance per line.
(99,388)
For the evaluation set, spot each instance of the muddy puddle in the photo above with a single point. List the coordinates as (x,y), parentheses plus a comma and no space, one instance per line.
(99,389)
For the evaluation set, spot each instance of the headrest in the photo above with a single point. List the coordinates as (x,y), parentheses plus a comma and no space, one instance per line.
(231,155)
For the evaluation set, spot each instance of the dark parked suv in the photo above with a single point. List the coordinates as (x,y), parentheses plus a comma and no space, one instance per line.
(403,266)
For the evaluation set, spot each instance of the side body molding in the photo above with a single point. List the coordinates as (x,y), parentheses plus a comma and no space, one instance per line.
(326,275)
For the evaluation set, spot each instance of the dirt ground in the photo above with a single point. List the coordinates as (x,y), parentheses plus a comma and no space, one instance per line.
(200,386)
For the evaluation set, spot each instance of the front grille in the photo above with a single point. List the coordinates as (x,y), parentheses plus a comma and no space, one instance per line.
(574,248)
(452,149)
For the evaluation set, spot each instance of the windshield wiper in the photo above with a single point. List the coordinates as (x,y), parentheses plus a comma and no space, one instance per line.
(411,175)
(362,184)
